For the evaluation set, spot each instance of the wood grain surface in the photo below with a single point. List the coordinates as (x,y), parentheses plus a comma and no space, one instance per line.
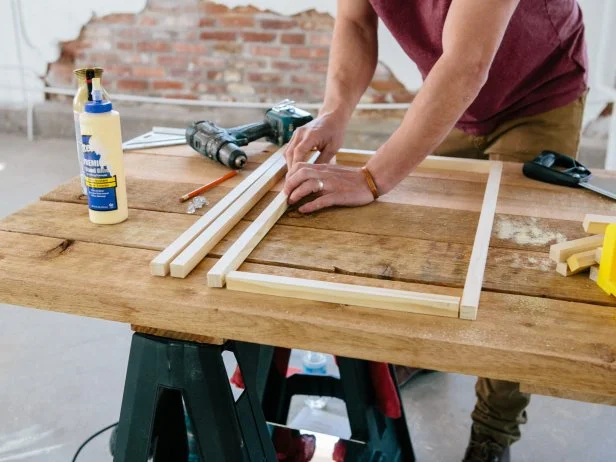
(534,326)
(530,339)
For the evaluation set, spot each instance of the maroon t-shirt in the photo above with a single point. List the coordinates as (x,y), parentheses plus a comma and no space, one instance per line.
(540,65)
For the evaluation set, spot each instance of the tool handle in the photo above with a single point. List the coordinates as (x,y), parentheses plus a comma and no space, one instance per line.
(244,134)
(552,167)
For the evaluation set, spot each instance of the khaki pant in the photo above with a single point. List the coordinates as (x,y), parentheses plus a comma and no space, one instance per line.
(500,407)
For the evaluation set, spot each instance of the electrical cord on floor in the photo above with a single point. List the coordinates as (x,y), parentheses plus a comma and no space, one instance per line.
(83,445)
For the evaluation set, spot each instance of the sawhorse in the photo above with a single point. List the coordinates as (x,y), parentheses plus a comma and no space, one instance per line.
(163,372)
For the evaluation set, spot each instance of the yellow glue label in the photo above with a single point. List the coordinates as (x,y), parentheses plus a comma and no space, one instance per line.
(102,182)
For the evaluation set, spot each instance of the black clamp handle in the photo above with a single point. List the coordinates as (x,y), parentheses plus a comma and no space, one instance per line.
(552,167)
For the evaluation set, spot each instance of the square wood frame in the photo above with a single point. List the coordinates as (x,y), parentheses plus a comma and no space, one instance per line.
(464,307)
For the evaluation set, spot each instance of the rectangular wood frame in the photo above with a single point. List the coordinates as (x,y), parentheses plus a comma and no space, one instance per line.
(464,307)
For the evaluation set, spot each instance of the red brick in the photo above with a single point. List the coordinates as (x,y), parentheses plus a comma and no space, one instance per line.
(154,45)
(288,92)
(172,60)
(278,23)
(97,58)
(246,9)
(142,71)
(293,39)
(118,18)
(321,40)
(258,37)
(309,53)
(308,79)
(215,8)
(318,67)
(236,21)
(208,88)
(131,33)
(122,45)
(287,65)
(185,74)
(147,20)
(227,48)
(218,35)
(191,35)
(252,64)
(263,77)
(214,75)
(116,71)
(313,20)
(71,48)
(211,62)
(260,50)
(167,85)
(60,74)
(206,22)
(131,85)
(187,47)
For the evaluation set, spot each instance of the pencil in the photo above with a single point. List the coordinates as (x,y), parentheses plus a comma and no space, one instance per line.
(208,186)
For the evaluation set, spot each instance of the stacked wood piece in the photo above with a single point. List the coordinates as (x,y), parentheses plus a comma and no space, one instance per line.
(582,255)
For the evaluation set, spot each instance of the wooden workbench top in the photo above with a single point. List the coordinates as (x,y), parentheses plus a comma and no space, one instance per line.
(533,325)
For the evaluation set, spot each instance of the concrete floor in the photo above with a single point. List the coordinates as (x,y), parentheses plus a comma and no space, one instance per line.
(61,376)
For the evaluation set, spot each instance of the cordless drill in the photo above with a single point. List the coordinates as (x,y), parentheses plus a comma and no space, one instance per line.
(223,144)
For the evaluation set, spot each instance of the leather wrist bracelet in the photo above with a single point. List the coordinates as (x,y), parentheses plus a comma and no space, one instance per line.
(370,180)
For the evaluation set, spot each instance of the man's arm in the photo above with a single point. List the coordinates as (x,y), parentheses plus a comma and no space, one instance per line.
(353,56)
(352,62)
(472,35)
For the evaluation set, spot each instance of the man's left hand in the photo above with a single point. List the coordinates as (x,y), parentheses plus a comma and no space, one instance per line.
(332,184)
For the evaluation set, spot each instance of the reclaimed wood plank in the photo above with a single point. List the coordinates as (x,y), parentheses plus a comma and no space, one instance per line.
(572,344)
(398,258)
(405,220)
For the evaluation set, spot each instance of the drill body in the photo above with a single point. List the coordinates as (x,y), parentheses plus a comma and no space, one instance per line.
(223,144)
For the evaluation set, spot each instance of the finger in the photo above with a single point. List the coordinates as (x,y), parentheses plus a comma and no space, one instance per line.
(326,155)
(288,153)
(299,173)
(319,203)
(311,186)
(300,153)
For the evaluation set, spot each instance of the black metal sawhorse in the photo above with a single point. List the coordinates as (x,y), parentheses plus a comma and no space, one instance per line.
(163,373)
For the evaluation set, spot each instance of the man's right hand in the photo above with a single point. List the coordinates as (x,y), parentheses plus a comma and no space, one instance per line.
(325,134)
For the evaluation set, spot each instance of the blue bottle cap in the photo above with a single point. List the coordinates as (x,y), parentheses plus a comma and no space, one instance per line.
(97,107)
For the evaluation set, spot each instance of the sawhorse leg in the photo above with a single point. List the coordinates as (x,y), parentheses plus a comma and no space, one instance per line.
(160,373)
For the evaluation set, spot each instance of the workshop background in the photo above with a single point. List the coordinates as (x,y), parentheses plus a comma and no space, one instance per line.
(53,394)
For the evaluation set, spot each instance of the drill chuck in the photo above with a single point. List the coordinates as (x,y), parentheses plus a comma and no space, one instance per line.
(216,143)
(231,156)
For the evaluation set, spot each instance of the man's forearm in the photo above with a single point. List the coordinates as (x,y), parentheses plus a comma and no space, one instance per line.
(352,62)
(472,34)
(447,92)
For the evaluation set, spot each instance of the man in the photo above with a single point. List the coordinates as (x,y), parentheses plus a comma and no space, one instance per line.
(503,79)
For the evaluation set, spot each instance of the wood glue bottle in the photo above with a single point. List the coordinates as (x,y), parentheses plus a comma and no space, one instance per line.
(103,159)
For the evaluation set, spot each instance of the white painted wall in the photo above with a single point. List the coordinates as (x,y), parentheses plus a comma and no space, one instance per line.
(46,26)
(46,23)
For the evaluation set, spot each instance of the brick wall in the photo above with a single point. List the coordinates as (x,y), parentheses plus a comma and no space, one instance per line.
(199,49)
